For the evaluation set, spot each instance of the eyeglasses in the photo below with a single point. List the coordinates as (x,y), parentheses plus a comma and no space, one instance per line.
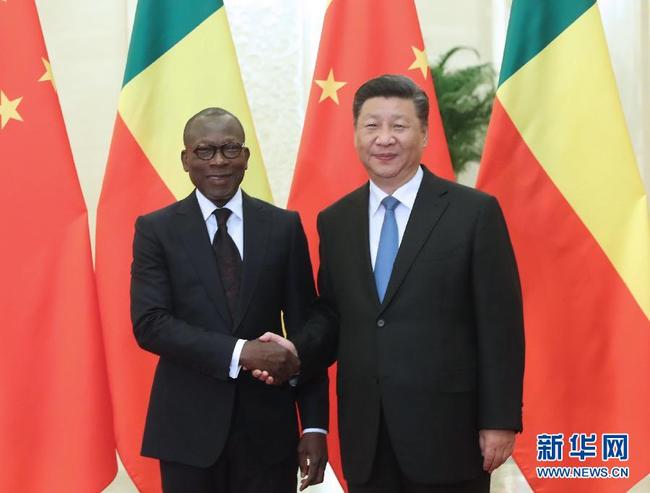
(229,150)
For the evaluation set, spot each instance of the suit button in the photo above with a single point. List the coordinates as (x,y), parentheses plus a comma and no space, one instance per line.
(381,322)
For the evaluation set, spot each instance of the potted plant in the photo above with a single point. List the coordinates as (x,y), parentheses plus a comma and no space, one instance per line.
(465,98)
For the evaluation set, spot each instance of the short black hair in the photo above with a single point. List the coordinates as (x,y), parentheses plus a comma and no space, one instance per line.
(392,86)
(210,113)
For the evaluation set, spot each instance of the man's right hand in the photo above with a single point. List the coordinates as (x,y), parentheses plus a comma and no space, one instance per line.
(272,358)
(265,375)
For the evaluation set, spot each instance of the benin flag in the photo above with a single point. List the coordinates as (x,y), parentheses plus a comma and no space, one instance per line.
(181,60)
(361,39)
(559,159)
(55,413)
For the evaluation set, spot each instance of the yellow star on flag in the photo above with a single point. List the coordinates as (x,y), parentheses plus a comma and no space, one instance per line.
(326,6)
(329,87)
(8,109)
(420,61)
(47,76)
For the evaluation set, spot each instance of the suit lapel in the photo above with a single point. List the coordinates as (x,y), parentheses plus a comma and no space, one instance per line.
(194,237)
(360,242)
(430,203)
(257,227)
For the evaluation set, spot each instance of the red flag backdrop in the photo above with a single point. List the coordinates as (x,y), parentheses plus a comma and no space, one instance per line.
(55,413)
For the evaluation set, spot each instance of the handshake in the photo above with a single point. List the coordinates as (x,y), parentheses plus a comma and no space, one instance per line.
(271,358)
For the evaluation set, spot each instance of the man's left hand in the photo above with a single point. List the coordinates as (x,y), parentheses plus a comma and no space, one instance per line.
(496,447)
(312,456)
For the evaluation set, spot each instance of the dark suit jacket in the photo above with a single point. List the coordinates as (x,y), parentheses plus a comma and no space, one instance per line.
(179,311)
(443,355)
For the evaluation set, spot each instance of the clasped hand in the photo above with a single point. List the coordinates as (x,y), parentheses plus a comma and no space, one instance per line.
(272,358)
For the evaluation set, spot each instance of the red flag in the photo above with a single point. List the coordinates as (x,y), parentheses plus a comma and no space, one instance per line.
(55,412)
(361,39)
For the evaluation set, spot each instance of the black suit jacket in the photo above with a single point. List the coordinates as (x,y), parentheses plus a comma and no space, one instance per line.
(179,311)
(443,355)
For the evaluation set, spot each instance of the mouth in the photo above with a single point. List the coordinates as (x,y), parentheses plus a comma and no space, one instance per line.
(385,156)
(219,178)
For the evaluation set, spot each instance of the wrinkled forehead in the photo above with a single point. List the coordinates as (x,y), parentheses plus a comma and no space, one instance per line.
(215,127)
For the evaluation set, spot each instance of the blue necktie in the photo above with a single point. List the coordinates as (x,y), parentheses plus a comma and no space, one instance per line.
(388,245)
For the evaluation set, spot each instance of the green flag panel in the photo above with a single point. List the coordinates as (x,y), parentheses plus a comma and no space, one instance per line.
(533,25)
(159,25)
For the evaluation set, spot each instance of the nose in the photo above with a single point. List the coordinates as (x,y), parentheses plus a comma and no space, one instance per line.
(218,159)
(385,136)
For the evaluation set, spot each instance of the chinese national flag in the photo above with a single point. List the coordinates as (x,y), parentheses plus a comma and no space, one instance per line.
(560,161)
(361,39)
(55,412)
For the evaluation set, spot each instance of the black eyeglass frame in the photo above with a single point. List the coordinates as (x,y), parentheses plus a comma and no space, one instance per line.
(229,150)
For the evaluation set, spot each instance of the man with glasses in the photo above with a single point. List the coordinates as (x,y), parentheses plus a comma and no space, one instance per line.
(210,274)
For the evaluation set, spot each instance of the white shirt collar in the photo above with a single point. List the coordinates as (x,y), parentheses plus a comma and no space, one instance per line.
(405,194)
(208,207)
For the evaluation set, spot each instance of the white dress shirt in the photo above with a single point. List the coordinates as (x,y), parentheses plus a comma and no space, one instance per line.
(406,195)
(235,223)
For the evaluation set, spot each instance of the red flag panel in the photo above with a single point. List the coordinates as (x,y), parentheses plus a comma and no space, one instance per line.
(587,339)
(55,412)
(131,187)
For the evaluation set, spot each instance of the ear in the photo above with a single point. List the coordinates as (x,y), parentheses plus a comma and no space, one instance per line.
(355,139)
(426,136)
(184,160)
(247,155)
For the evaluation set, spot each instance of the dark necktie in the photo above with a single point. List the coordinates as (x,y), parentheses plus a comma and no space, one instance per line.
(228,260)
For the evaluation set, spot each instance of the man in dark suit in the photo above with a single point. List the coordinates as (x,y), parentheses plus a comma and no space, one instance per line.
(210,274)
(420,304)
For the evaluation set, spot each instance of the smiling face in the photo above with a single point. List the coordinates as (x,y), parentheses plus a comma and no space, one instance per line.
(217,178)
(390,140)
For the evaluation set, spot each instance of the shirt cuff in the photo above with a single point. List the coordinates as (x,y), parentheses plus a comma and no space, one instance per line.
(314,430)
(234,362)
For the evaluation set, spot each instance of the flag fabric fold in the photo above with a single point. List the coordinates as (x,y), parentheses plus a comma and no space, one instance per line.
(55,412)
(361,39)
(181,59)
(560,161)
